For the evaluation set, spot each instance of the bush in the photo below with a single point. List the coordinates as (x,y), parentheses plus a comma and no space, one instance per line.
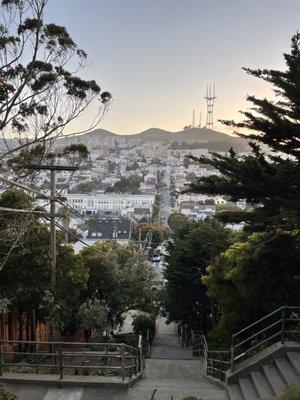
(5,395)
(292,393)
(131,339)
(191,398)
(142,324)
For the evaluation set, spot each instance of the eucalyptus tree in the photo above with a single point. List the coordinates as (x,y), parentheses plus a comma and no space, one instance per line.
(41,90)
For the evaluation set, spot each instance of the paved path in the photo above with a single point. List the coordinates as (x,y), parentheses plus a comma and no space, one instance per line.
(171,370)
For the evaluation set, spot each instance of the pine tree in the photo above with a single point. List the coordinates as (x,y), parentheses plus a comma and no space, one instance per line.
(268,178)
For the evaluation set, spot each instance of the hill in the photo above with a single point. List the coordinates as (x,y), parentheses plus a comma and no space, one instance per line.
(214,140)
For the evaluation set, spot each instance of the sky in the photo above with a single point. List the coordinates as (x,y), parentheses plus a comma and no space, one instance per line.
(156,57)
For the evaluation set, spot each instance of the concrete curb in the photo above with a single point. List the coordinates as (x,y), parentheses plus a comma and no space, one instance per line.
(78,381)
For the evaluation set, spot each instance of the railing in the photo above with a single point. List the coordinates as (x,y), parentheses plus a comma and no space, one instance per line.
(215,362)
(278,326)
(184,334)
(69,358)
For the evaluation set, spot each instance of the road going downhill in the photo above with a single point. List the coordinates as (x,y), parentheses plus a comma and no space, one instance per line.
(171,370)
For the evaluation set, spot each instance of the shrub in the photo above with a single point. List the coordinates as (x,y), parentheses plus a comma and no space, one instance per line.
(191,398)
(291,393)
(5,395)
(142,324)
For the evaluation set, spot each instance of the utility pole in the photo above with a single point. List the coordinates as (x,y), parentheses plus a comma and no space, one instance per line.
(53,168)
(53,229)
(140,239)
(53,199)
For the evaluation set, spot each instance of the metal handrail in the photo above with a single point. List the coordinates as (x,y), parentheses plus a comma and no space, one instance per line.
(283,320)
(127,359)
(214,364)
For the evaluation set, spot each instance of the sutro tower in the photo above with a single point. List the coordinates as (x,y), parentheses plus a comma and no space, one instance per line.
(210,98)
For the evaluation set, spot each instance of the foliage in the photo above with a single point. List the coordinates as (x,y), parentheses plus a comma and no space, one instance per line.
(191,398)
(92,315)
(291,393)
(159,234)
(269,181)
(144,324)
(133,167)
(30,261)
(252,278)
(84,187)
(120,277)
(111,166)
(126,185)
(5,394)
(156,208)
(39,93)
(176,220)
(194,246)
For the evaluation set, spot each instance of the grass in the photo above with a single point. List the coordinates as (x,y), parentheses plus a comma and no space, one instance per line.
(292,393)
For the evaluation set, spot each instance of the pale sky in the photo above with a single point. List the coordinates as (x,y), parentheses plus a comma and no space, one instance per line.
(157,56)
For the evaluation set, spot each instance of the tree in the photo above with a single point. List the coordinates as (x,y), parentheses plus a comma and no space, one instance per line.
(145,325)
(40,89)
(120,277)
(92,316)
(176,220)
(30,261)
(252,278)
(13,225)
(259,273)
(186,162)
(194,246)
(159,234)
(126,185)
(268,178)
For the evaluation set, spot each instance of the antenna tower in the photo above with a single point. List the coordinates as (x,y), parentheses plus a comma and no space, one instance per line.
(210,98)
(200,119)
(193,121)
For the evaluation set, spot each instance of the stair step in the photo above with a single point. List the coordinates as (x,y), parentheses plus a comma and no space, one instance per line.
(261,384)
(234,393)
(294,359)
(248,389)
(286,371)
(275,380)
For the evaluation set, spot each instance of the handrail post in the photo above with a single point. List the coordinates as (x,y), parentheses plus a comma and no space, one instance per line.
(131,364)
(140,346)
(60,360)
(123,367)
(1,359)
(283,317)
(232,348)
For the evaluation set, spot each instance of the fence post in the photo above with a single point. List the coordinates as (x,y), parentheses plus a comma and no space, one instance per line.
(123,366)
(283,317)
(60,360)
(232,353)
(1,359)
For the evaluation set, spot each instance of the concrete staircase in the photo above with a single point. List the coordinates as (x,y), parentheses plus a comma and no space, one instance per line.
(267,376)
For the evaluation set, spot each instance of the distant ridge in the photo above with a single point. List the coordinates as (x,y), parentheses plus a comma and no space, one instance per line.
(210,139)
(100,137)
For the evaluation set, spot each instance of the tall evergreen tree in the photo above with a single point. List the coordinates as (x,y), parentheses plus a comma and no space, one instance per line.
(194,246)
(268,178)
